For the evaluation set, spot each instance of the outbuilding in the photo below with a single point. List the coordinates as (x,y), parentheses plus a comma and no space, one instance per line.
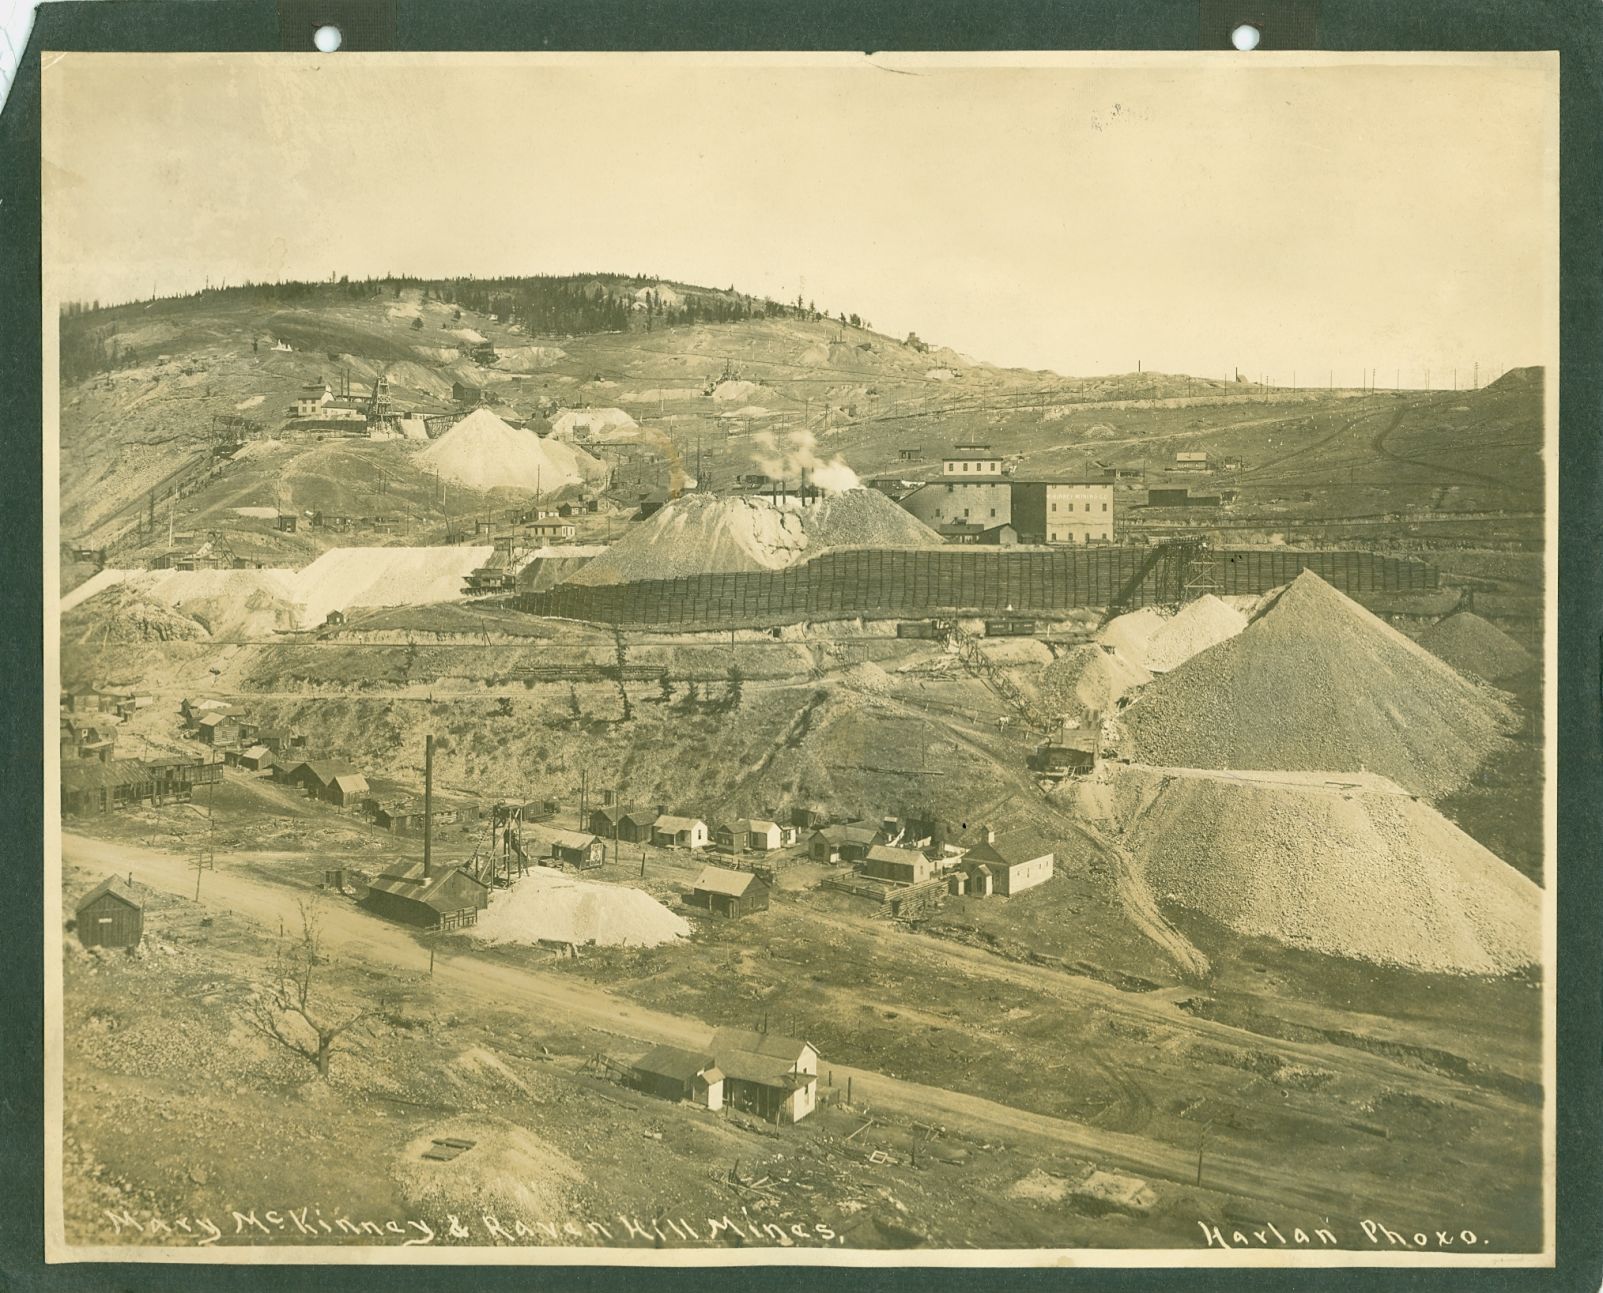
(728,893)
(898,866)
(218,729)
(572,848)
(674,1074)
(256,759)
(109,915)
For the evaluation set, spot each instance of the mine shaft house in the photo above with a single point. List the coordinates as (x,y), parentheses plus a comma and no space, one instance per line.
(431,897)
(774,1077)
(110,916)
(728,893)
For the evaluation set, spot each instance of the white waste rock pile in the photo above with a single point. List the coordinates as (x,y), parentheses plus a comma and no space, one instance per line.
(1195,627)
(548,905)
(1477,647)
(1088,679)
(709,533)
(1345,864)
(346,579)
(482,452)
(1318,683)
(589,422)
(1130,634)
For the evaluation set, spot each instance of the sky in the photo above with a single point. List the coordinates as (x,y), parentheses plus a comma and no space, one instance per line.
(1183,214)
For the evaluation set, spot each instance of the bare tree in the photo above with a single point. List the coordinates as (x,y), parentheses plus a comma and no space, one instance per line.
(284,1009)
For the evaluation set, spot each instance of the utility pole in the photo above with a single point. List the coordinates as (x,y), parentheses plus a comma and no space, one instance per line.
(428,812)
(206,860)
(1201,1141)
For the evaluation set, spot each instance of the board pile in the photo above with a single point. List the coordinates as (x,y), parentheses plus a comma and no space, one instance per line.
(1317,683)
(1342,864)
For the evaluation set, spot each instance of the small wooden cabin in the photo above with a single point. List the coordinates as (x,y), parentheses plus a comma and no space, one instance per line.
(109,915)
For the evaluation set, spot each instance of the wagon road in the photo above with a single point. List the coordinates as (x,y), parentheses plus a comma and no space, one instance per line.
(361,936)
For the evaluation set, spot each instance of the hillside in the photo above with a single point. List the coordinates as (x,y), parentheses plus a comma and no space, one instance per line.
(156,392)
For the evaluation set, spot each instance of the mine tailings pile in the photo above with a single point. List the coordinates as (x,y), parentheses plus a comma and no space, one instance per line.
(1317,683)
(1158,644)
(1476,647)
(1088,679)
(482,452)
(722,534)
(549,906)
(1346,865)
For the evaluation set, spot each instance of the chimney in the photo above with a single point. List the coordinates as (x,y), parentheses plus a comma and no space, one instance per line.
(607,798)
(990,834)
(428,807)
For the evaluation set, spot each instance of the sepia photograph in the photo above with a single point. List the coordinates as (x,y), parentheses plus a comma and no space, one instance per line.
(699,659)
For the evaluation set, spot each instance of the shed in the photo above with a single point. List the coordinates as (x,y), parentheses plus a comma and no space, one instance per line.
(728,893)
(256,759)
(443,897)
(899,866)
(109,915)
(675,1074)
(575,848)
(218,729)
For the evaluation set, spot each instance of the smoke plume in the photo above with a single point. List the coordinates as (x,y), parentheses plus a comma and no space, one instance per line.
(795,454)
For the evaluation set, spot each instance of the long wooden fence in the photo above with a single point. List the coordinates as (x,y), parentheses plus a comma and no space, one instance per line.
(882,582)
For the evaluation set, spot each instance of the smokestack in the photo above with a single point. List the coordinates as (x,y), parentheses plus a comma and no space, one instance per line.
(428,807)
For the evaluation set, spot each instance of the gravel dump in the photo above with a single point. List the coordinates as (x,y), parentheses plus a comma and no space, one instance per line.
(1475,646)
(1197,626)
(548,905)
(712,533)
(1086,679)
(1129,634)
(1318,683)
(1343,864)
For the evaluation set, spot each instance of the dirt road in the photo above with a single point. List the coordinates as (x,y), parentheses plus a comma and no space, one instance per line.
(561,1000)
